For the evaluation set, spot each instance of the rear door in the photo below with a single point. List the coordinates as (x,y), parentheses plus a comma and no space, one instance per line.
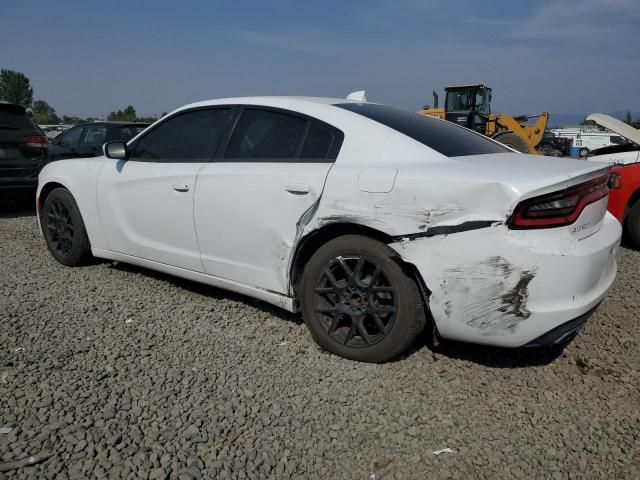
(249,199)
(146,202)
(17,158)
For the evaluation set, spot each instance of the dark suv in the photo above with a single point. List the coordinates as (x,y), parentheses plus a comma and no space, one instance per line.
(86,140)
(23,150)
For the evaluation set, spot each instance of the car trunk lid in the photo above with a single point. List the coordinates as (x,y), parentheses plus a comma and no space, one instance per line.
(526,177)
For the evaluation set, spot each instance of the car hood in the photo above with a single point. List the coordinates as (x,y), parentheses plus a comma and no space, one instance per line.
(615,125)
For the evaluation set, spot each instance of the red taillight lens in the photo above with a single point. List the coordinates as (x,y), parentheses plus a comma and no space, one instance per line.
(558,208)
(35,141)
(615,182)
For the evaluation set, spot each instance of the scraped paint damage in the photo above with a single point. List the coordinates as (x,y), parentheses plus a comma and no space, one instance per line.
(389,218)
(490,296)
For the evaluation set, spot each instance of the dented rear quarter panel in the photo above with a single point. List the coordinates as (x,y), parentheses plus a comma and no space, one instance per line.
(507,287)
(488,283)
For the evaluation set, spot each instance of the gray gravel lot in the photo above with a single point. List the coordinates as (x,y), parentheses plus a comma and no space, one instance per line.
(112,371)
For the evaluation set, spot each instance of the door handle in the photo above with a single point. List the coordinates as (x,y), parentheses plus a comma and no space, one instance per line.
(298,188)
(181,187)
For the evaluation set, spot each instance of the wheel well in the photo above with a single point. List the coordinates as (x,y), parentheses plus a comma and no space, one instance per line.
(635,197)
(46,190)
(312,242)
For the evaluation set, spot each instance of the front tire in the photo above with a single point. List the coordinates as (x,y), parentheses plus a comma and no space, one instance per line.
(583,152)
(64,230)
(358,302)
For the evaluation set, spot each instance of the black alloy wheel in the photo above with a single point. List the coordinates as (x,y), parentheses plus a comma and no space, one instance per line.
(356,300)
(64,230)
(58,221)
(359,300)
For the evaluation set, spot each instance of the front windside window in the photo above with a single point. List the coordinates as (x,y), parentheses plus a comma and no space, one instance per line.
(442,136)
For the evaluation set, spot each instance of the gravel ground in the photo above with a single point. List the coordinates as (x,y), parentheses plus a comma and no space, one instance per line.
(111,371)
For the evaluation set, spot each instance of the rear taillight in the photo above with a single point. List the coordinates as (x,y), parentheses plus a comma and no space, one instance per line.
(35,141)
(615,182)
(558,208)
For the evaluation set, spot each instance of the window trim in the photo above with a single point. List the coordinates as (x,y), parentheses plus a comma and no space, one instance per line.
(236,112)
(332,154)
(132,145)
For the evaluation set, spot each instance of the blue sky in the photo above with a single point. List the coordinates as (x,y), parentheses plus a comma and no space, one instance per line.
(88,58)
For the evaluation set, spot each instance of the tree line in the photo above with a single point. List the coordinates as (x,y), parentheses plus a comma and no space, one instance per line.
(15,87)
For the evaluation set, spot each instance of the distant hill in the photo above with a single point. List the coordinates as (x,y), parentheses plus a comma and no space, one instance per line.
(558,120)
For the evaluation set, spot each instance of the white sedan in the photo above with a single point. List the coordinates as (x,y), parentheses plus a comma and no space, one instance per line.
(372,221)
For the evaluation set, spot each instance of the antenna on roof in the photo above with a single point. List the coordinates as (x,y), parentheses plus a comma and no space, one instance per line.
(358,96)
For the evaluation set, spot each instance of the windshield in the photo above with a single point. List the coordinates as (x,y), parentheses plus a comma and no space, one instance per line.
(482,101)
(442,136)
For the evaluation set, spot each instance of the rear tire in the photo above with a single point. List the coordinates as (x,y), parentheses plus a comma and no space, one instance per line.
(358,302)
(583,152)
(633,225)
(512,140)
(64,230)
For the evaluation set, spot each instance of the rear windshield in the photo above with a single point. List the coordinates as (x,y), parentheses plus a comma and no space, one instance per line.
(15,121)
(442,136)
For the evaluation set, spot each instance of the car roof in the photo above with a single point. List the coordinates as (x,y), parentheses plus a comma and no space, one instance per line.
(268,100)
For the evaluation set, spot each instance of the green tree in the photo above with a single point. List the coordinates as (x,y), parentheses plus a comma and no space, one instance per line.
(70,120)
(627,118)
(127,115)
(149,119)
(44,114)
(15,87)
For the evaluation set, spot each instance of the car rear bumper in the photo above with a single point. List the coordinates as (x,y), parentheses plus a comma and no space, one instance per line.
(564,333)
(510,288)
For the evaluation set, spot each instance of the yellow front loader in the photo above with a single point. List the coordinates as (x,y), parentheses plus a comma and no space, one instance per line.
(470,106)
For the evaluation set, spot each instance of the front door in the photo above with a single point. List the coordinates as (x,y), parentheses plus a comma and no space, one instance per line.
(249,200)
(146,202)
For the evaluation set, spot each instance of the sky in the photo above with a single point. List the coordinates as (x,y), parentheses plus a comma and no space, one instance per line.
(88,58)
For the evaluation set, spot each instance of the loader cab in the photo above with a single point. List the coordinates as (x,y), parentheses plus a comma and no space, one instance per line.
(468,106)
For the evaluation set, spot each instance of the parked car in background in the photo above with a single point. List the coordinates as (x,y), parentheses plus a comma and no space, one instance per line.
(52,131)
(624,197)
(366,217)
(23,150)
(554,146)
(86,140)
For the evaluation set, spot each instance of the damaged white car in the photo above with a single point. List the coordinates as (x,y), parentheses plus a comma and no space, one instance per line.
(371,220)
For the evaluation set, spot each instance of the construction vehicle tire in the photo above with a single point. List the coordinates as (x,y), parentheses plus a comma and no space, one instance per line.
(512,140)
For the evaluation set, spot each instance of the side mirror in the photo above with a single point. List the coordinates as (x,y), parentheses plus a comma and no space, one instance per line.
(116,150)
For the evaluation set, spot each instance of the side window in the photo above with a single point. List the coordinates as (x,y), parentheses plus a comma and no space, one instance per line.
(71,137)
(187,137)
(317,144)
(127,133)
(96,135)
(265,134)
(617,140)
